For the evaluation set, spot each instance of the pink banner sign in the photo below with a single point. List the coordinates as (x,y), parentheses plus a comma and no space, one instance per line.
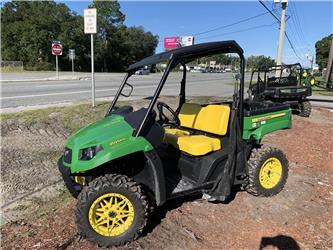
(171,42)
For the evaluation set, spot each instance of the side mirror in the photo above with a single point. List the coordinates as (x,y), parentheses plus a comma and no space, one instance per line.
(127,90)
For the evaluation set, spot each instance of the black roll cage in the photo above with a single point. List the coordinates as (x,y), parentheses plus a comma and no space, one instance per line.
(184,56)
(280,68)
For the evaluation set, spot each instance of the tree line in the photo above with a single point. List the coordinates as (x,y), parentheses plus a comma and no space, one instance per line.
(28,29)
(252,62)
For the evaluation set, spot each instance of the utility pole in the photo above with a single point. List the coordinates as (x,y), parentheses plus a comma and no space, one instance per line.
(328,79)
(284,4)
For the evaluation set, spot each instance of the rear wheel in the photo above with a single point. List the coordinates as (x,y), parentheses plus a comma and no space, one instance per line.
(305,109)
(267,171)
(111,210)
(312,81)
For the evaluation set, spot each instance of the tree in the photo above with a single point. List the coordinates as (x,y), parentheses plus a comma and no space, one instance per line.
(323,50)
(256,62)
(28,29)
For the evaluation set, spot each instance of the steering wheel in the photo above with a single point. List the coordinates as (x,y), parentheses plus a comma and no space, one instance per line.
(163,118)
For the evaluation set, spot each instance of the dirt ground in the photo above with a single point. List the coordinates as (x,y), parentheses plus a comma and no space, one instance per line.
(37,212)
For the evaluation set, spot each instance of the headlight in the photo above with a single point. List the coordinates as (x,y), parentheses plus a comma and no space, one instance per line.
(87,154)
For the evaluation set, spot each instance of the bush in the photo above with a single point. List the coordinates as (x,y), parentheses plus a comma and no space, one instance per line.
(39,66)
(317,74)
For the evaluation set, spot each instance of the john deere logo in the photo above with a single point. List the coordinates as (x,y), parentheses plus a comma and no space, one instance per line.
(117,141)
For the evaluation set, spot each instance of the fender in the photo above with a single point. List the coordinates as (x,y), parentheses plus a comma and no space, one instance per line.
(157,171)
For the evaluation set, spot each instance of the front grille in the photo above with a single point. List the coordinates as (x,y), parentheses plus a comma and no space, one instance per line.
(68,155)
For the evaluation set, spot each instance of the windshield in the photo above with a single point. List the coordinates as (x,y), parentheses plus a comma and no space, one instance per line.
(139,87)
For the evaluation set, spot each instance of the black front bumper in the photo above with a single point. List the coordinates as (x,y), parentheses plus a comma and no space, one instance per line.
(71,185)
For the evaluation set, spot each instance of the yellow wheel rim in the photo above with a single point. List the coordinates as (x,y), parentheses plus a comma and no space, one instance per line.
(111,214)
(270,173)
(312,82)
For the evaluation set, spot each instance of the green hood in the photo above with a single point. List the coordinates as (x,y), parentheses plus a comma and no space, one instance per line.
(113,133)
(102,131)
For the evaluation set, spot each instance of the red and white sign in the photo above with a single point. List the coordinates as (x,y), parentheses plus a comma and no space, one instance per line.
(177,42)
(90,21)
(56,49)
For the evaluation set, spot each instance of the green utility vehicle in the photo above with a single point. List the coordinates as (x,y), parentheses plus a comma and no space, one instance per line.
(288,83)
(129,161)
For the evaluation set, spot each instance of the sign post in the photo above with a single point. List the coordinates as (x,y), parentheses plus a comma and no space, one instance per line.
(72,57)
(56,51)
(90,27)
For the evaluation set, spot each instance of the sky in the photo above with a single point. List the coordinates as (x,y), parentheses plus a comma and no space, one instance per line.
(307,23)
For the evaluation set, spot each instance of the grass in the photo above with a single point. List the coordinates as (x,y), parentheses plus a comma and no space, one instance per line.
(319,91)
(71,117)
(10,69)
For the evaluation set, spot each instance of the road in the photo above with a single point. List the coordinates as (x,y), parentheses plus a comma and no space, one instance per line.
(41,88)
(30,92)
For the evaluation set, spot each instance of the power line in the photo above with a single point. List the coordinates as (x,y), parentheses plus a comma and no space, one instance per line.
(231,24)
(292,46)
(288,39)
(261,2)
(238,31)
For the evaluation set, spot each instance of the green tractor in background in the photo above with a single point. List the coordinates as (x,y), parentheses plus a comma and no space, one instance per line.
(288,84)
(131,160)
(308,78)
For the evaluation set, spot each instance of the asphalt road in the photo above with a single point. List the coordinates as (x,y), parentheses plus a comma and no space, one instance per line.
(40,88)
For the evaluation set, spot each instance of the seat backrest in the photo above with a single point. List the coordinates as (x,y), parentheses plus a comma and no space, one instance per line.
(212,118)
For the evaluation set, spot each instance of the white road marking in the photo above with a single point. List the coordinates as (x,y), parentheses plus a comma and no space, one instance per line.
(73,92)
(167,85)
(56,85)
(51,94)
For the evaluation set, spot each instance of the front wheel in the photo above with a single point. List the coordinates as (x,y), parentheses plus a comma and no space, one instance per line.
(111,210)
(305,109)
(267,171)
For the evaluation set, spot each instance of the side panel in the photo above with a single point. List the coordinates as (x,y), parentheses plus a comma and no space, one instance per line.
(259,125)
(111,150)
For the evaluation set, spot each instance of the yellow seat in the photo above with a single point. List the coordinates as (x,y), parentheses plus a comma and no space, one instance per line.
(212,119)
(195,144)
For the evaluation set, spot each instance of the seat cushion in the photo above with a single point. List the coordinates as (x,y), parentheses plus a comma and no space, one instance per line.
(194,144)
(176,131)
(171,135)
(212,118)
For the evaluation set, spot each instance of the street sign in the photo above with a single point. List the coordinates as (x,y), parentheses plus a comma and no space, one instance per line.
(90,22)
(90,27)
(71,54)
(56,48)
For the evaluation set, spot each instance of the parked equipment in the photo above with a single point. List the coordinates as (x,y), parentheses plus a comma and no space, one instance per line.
(288,84)
(129,160)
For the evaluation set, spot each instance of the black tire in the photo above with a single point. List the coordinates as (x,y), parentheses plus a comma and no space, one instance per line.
(305,109)
(111,184)
(257,159)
